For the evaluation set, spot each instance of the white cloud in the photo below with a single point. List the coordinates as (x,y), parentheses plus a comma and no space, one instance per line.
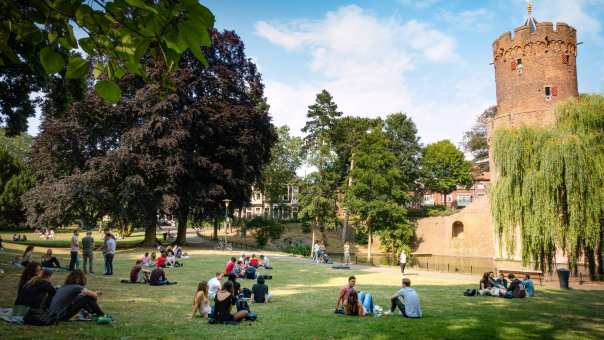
(479,19)
(363,60)
(575,13)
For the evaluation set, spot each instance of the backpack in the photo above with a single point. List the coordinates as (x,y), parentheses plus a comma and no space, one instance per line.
(247,293)
(242,305)
(39,317)
(520,291)
(250,273)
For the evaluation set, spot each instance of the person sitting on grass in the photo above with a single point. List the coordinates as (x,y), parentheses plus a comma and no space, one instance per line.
(171,260)
(486,284)
(529,285)
(230,265)
(236,285)
(352,305)
(73,297)
(409,307)
(49,261)
(260,291)
(161,260)
(237,270)
(32,270)
(201,301)
(254,261)
(146,260)
(266,263)
(158,278)
(501,281)
(344,292)
(27,255)
(223,303)
(38,291)
(214,285)
(516,289)
(138,274)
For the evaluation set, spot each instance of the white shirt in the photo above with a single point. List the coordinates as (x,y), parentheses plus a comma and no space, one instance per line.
(213,287)
(403,258)
(266,262)
(74,243)
(110,246)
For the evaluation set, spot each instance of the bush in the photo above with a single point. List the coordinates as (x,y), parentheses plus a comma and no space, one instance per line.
(297,249)
(266,229)
(305,227)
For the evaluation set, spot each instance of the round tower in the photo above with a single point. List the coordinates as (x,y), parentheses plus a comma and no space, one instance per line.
(535,68)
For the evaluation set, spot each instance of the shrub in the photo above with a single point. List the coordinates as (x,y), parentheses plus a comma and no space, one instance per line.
(297,249)
(266,229)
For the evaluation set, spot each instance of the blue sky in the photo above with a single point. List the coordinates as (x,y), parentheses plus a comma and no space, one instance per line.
(427,58)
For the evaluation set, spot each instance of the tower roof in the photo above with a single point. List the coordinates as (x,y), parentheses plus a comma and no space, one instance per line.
(530,20)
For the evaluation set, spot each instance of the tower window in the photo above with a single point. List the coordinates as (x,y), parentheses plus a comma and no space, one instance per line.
(548,93)
(519,66)
(565,58)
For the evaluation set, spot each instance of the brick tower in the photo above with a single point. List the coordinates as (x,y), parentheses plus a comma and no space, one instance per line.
(534,69)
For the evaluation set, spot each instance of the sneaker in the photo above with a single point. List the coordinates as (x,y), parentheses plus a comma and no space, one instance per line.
(387,312)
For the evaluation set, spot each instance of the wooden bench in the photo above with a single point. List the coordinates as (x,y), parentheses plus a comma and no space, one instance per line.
(519,273)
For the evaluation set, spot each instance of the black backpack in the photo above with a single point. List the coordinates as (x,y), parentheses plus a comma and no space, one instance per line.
(250,273)
(39,317)
(247,293)
(242,305)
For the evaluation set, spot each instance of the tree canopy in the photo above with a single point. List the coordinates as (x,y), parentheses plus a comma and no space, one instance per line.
(443,167)
(549,186)
(475,139)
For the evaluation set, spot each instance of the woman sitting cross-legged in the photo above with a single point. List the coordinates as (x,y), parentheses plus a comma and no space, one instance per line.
(352,306)
(158,278)
(49,261)
(260,291)
(73,297)
(223,302)
(201,301)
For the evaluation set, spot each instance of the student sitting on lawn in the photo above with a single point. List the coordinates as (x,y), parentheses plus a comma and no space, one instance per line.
(501,281)
(223,302)
(237,270)
(201,301)
(266,263)
(529,285)
(27,255)
(344,292)
(236,285)
(146,260)
(409,307)
(161,260)
(260,291)
(32,270)
(352,305)
(171,260)
(73,297)
(138,274)
(214,285)
(230,265)
(516,289)
(254,261)
(49,261)
(158,278)
(38,291)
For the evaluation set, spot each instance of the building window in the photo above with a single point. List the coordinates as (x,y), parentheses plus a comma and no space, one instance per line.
(428,200)
(449,198)
(457,229)
(548,93)
(464,200)
(565,59)
(519,66)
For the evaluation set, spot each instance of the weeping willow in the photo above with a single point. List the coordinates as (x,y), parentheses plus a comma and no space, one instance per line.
(550,186)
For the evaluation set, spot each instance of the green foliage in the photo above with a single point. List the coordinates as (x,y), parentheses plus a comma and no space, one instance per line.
(297,249)
(475,140)
(443,167)
(266,229)
(108,90)
(17,146)
(550,184)
(118,36)
(15,180)
(404,143)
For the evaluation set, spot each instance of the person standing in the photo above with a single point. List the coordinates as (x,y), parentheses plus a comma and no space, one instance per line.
(110,246)
(402,260)
(74,251)
(346,253)
(87,249)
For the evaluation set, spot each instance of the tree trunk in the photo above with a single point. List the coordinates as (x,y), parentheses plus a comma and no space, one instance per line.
(600,255)
(181,236)
(215,234)
(150,234)
(312,243)
(369,242)
(346,213)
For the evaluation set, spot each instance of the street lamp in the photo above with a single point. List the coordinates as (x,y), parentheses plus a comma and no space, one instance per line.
(226,202)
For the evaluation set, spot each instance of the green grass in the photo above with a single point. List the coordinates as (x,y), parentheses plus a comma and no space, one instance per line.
(305,296)
(63,237)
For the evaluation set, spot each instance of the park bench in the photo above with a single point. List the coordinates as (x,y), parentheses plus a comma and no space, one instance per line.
(535,274)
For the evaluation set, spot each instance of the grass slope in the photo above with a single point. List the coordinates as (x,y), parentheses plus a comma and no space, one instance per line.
(305,296)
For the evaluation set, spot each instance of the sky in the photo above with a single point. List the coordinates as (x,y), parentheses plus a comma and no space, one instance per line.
(430,59)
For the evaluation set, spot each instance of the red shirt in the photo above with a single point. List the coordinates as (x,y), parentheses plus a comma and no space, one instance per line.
(254,262)
(160,262)
(229,267)
(345,292)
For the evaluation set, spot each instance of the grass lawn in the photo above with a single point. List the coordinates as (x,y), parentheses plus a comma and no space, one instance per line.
(62,239)
(304,298)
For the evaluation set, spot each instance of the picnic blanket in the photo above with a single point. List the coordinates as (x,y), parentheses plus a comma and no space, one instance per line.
(6,314)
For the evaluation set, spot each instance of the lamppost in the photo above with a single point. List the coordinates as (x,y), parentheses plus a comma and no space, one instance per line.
(226,202)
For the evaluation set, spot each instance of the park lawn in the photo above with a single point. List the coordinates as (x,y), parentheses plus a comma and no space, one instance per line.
(305,295)
(62,239)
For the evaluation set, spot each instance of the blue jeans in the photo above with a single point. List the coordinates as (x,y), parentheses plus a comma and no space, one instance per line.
(367,301)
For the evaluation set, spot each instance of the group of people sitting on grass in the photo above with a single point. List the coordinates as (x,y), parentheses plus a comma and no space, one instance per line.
(351,302)
(39,302)
(500,287)
(150,269)
(246,267)
(45,234)
(49,261)
(19,238)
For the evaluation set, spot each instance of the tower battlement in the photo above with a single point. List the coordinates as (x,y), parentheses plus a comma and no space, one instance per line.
(560,37)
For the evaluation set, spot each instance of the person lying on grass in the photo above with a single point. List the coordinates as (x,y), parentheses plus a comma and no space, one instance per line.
(73,297)
(344,292)
(49,261)
(260,291)
(223,303)
(409,307)
(201,301)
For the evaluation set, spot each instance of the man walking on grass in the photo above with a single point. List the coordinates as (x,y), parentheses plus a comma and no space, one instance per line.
(402,261)
(73,251)
(87,249)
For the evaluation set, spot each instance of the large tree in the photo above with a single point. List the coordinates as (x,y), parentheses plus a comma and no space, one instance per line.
(15,180)
(549,187)
(377,195)
(475,140)
(443,168)
(320,188)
